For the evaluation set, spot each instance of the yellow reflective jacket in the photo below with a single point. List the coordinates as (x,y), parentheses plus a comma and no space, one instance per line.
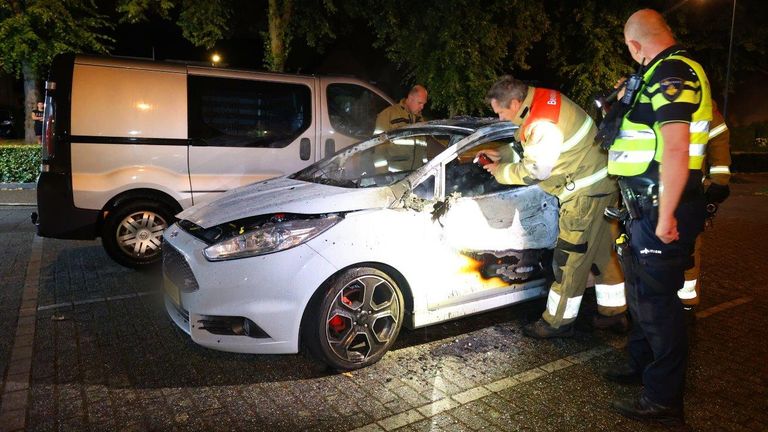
(396,116)
(559,150)
(640,142)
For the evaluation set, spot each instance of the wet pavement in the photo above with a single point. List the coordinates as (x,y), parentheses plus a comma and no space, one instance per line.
(86,345)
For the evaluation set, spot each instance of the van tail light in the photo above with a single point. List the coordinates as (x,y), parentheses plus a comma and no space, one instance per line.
(49,122)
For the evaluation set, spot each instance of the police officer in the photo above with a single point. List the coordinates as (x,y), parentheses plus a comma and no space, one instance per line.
(658,155)
(717,175)
(408,111)
(561,157)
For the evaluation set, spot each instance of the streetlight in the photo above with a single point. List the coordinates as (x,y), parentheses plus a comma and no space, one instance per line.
(215,59)
(728,67)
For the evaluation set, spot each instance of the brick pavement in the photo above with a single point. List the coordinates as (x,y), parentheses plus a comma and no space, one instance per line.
(106,357)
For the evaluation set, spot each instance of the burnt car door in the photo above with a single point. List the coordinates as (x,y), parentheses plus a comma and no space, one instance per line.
(501,235)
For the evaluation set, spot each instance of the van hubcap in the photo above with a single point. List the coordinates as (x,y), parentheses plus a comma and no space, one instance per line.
(141,234)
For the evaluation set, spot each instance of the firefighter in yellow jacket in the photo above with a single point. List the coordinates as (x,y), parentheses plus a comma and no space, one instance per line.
(407,111)
(561,157)
(717,174)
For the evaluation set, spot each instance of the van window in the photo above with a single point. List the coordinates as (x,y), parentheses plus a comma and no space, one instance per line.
(352,109)
(226,112)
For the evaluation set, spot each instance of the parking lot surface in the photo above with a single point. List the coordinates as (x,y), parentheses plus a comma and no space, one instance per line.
(86,345)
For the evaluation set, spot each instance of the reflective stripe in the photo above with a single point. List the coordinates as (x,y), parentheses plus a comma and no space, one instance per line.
(697,149)
(571,305)
(579,135)
(631,156)
(699,126)
(688,291)
(629,134)
(584,182)
(408,142)
(717,130)
(610,295)
(380,163)
(720,169)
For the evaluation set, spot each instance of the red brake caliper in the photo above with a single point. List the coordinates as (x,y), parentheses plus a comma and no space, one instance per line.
(337,324)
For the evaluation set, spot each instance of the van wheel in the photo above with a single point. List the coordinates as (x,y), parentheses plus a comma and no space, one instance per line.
(133,232)
(355,319)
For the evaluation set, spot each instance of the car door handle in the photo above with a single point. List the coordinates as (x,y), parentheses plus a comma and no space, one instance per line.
(305,149)
(330,147)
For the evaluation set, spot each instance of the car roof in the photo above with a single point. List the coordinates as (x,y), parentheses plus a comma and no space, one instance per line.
(464,124)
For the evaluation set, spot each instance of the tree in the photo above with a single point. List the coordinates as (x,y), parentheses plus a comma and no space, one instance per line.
(456,48)
(706,27)
(586,49)
(33,32)
(202,22)
(205,22)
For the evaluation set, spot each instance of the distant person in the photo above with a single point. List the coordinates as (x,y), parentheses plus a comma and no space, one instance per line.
(408,111)
(37,116)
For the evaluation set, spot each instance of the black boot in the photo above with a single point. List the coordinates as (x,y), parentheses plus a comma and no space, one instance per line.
(542,330)
(623,374)
(644,409)
(617,323)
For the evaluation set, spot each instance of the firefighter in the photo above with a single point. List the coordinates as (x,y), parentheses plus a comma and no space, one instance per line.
(408,111)
(561,157)
(657,154)
(400,154)
(717,174)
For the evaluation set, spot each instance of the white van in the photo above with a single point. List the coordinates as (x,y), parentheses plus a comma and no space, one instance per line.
(129,143)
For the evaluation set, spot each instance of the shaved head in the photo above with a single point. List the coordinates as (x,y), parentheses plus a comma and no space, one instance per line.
(418,89)
(646,25)
(646,34)
(416,99)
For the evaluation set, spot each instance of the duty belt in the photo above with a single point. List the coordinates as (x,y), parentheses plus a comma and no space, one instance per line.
(639,195)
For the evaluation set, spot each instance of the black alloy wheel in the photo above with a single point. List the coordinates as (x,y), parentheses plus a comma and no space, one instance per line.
(356,320)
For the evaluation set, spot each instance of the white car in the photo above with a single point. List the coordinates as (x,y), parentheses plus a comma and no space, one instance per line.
(403,228)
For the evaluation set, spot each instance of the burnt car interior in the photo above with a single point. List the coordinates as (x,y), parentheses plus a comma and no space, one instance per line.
(465,178)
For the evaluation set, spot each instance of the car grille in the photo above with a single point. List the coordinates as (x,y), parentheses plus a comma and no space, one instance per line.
(176,268)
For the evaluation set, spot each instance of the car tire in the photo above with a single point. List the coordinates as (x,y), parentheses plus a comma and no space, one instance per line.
(355,319)
(132,233)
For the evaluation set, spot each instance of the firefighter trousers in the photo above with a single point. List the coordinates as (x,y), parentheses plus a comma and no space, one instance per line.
(691,291)
(654,272)
(584,245)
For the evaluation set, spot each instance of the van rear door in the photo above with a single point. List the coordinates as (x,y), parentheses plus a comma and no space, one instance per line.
(244,129)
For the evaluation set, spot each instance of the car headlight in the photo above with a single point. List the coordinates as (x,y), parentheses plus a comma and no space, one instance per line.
(269,238)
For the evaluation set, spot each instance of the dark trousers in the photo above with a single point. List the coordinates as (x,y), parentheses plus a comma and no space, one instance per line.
(658,344)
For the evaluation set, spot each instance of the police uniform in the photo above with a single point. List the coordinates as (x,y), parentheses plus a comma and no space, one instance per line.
(675,89)
(396,116)
(561,157)
(716,172)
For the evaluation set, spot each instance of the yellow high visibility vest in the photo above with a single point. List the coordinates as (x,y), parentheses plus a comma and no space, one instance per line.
(637,144)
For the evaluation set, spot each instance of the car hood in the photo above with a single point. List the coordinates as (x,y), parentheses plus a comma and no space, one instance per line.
(285,195)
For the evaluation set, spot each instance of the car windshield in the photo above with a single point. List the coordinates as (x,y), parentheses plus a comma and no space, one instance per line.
(380,161)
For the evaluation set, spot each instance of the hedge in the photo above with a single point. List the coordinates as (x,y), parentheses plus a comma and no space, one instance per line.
(19,163)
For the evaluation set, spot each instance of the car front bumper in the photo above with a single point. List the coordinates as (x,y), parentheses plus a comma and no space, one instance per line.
(272,291)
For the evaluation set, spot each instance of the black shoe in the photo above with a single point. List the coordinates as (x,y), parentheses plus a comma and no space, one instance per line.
(542,330)
(624,374)
(645,409)
(617,323)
